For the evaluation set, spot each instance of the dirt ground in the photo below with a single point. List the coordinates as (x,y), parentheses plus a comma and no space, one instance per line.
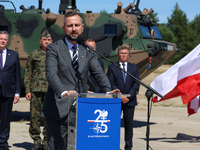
(176,102)
(170,127)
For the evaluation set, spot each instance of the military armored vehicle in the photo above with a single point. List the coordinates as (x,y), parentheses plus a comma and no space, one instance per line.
(125,26)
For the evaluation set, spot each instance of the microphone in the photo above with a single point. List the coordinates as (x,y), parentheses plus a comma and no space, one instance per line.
(80,41)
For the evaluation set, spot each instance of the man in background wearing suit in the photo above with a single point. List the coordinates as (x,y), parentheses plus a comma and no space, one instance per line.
(126,85)
(10,86)
(91,42)
(67,66)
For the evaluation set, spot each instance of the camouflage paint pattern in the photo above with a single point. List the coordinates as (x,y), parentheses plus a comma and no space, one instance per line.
(35,118)
(36,83)
(128,26)
(35,75)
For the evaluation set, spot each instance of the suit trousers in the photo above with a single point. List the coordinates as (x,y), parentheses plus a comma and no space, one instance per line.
(57,132)
(128,113)
(6,104)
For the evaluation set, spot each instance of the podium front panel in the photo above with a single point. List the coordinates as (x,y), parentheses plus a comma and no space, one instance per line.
(72,129)
(98,123)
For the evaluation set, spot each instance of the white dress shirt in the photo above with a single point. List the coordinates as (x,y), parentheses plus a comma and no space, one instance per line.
(4,56)
(124,66)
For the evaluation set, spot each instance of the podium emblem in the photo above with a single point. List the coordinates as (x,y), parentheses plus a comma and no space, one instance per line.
(100,125)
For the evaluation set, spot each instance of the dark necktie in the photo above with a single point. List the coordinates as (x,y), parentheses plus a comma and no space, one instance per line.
(1,64)
(1,60)
(75,59)
(124,75)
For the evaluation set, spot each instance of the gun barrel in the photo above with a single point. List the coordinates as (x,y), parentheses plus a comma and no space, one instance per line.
(22,7)
(119,7)
(40,4)
(130,6)
(146,12)
(67,4)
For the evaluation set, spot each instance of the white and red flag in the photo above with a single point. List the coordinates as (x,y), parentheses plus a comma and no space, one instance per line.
(182,79)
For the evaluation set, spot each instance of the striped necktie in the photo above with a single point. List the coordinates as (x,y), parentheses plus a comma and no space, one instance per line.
(1,60)
(75,59)
(1,64)
(124,75)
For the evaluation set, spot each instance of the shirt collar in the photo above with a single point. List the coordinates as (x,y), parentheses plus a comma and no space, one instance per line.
(122,63)
(4,50)
(70,45)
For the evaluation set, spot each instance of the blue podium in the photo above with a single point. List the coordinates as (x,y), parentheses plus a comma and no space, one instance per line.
(94,121)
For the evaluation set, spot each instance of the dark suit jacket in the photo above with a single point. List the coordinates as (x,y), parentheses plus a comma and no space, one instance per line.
(11,75)
(97,88)
(117,82)
(61,77)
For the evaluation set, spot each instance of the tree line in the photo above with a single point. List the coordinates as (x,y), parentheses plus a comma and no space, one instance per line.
(180,31)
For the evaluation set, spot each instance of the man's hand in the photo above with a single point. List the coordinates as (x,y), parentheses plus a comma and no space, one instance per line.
(28,96)
(16,99)
(125,100)
(117,91)
(68,93)
(90,92)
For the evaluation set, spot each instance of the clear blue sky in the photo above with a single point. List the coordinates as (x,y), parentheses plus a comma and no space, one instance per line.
(164,8)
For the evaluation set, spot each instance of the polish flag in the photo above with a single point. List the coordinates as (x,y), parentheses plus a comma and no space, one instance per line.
(182,79)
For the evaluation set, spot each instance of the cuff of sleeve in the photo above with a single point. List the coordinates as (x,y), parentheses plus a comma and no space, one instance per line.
(17,94)
(27,91)
(63,93)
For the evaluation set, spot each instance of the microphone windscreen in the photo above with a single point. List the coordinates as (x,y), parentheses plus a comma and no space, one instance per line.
(79,40)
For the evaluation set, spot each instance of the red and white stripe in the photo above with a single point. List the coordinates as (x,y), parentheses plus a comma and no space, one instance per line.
(182,79)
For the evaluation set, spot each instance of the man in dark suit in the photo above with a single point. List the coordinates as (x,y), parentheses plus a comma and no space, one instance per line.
(67,66)
(126,85)
(91,42)
(10,87)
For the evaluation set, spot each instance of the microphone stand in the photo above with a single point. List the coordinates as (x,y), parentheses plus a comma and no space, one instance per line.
(149,93)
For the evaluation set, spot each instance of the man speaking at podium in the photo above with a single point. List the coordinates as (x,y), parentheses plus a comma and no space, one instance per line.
(67,66)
